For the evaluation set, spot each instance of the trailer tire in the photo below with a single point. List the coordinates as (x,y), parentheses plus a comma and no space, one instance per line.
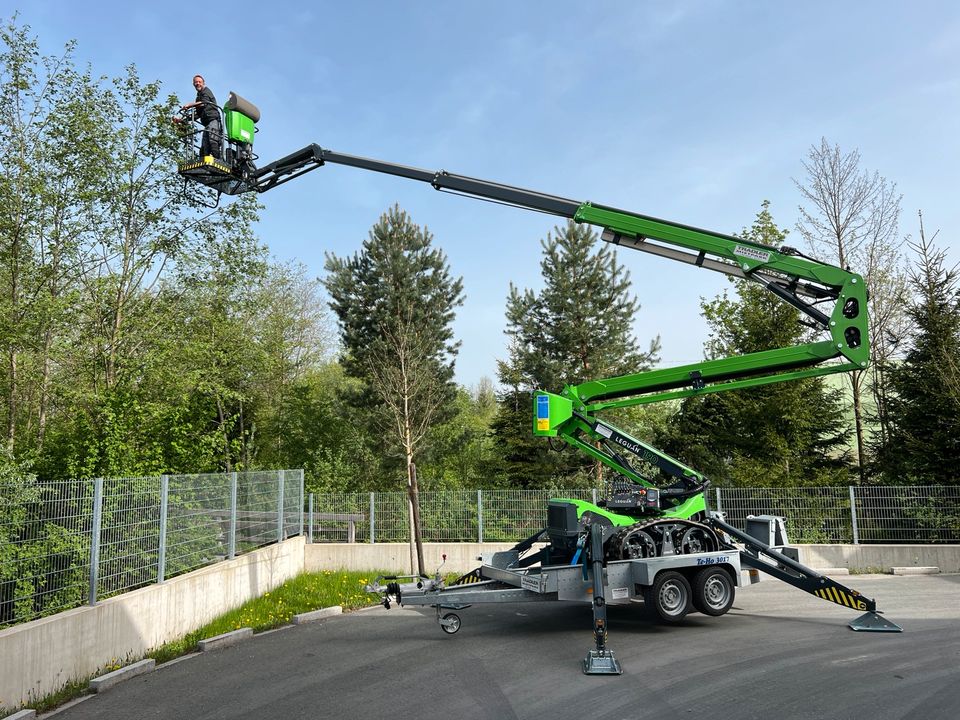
(669,597)
(713,591)
(451,624)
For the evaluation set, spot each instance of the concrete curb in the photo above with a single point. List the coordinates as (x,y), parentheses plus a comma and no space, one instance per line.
(225,640)
(915,570)
(834,571)
(105,682)
(27,714)
(317,614)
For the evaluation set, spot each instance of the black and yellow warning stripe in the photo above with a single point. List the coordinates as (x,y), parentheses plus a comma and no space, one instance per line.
(471,577)
(841,596)
(206,163)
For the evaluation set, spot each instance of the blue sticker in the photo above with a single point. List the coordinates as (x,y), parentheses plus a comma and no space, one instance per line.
(543,407)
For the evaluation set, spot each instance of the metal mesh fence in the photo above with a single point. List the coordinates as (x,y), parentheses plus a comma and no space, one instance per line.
(813,514)
(44,547)
(257,504)
(198,521)
(334,513)
(913,514)
(292,503)
(139,531)
(129,534)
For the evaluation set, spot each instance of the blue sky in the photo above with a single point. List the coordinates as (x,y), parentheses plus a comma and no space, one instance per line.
(689,111)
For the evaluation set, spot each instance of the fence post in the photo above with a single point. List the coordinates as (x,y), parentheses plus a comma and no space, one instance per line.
(479,516)
(281,479)
(300,504)
(162,552)
(310,520)
(853,515)
(719,504)
(593,494)
(372,506)
(232,540)
(95,539)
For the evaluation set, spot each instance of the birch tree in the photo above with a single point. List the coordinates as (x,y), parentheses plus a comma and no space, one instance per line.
(851,217)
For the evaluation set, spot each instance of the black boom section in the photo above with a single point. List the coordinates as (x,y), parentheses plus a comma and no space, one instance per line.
(313,156)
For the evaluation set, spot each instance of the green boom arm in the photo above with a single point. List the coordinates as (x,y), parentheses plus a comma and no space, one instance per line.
(833,299)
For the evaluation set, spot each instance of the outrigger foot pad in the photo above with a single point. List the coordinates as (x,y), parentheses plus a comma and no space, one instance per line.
(601,662)
(872,622)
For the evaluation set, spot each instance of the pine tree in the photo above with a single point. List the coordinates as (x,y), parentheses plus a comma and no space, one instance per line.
(780,434)
(578,327)
(924,444)
(396,300)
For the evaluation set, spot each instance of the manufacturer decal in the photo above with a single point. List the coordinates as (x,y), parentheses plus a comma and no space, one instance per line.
(752,253)
(604,430)
(621,593)
(531,583)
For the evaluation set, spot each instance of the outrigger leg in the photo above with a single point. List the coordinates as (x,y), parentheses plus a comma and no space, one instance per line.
(600,661)
(800,576)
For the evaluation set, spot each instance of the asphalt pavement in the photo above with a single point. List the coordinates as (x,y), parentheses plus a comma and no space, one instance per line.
(779,653)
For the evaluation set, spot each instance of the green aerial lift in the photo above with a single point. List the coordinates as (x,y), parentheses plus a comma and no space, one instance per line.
(660,541)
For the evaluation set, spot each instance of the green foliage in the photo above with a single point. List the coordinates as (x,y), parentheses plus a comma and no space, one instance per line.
(41,562)
(924,406)
(776,435)
(395,300)
(462,452)
(324,435)
(140,333)
(578,327)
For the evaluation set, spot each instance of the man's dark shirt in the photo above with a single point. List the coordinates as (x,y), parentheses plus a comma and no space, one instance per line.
(207,112)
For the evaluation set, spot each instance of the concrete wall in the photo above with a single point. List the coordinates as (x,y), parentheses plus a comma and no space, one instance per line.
(395,557)
(40,657)
(462,557)
(880,558)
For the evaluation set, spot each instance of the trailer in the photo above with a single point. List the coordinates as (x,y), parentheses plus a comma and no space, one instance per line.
(668,586)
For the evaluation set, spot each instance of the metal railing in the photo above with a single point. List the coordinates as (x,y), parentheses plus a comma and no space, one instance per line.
(63,544)
(868,514)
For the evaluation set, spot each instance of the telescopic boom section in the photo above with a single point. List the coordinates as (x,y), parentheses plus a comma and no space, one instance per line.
(313,156)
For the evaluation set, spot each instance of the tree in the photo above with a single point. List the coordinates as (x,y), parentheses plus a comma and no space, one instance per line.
(461,452)
(295,333)
(53,125)
(780,434)
(578,327)
(395,301)
(853,219)
(318,408)
(924,442)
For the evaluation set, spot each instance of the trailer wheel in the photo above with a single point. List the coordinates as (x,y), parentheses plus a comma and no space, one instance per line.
(450,623)
(669,596)
(713,591)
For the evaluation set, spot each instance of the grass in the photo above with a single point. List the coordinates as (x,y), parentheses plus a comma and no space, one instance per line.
(71,690)
(274,609)
(310,591)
